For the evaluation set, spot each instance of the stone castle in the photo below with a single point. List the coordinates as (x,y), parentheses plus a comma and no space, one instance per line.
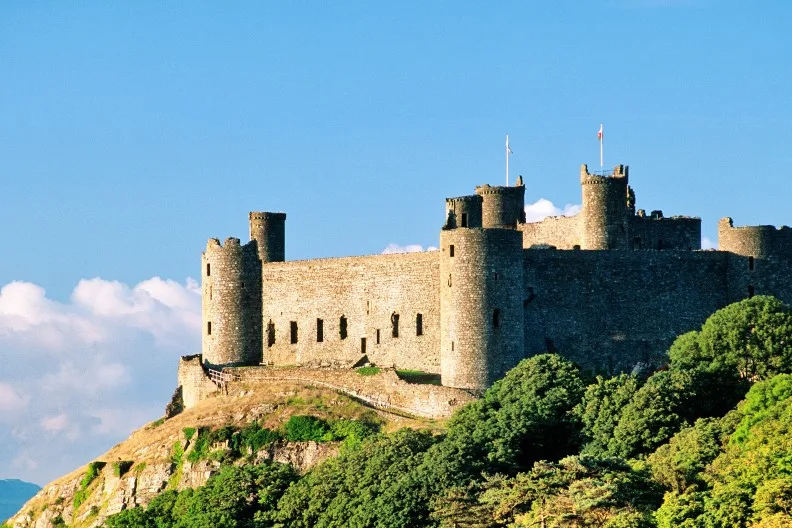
(609,288)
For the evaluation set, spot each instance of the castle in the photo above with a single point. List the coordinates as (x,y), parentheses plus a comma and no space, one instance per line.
(609,288)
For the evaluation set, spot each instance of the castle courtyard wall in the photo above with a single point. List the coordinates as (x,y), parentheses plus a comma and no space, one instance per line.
(367,291)
(614,310)
(563,232)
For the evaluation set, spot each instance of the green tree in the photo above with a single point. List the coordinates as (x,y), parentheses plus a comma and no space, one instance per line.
(603,403)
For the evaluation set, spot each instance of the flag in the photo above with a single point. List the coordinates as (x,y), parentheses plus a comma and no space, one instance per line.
(508,148)
(599,134)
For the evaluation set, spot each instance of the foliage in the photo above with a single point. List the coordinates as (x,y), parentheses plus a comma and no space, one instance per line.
(189,432)
(305,428)
(368,371)
(121,467)
(600,409)
(419,376)
(94,468)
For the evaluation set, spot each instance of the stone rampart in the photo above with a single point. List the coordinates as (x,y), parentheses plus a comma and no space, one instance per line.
(612,310)
(657,232)
(562,232)
(383,307)
(384,390)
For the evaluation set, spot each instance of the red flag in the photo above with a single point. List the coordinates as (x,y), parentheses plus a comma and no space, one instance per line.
(599,134)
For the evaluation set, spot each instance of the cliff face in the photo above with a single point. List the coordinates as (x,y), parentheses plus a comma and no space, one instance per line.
(158,457)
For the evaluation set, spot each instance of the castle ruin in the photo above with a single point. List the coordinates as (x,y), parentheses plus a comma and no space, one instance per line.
(609,288)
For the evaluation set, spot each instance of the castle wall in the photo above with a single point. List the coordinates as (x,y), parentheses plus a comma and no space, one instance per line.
(367,291)
(194,382)
(563,232)
(656,232)
(612,310)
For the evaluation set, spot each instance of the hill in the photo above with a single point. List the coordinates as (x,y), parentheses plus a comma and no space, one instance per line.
(186,450)
(13,494)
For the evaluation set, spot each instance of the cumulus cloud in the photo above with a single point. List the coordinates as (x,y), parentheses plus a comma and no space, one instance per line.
(79,376)
(409,248)
(542,208)
(707,243)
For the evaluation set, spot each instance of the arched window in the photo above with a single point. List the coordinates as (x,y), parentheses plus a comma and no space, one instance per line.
(342,327)
(395,324)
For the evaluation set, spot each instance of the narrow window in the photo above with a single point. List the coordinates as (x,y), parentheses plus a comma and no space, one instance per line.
(452,346)
(495,275)
(419,324)
(750,263)
(270,333)
(208,269)
(293,327)
(210,292)
(319,330)
(342,327)
(362,345)
(750,291)
(496,318)
(451,250)
(464,219)
(368,307)
(209,328)
(378,336)
(395,324)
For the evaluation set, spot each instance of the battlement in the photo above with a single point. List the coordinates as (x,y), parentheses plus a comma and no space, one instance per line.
(469,198)
(502,206)
(619,176)
(232,243)
(264,215)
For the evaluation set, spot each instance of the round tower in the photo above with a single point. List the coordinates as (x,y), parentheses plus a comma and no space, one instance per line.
(761,241)
(502,206)
(481,312)
(231,304)
(463,211)
(605,209)
(269,232)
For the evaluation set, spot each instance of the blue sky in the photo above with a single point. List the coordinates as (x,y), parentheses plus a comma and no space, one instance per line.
(131,132)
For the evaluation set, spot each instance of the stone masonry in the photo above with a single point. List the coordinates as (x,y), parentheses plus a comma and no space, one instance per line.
(609,288)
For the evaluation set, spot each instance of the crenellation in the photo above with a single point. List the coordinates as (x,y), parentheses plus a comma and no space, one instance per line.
(610,288)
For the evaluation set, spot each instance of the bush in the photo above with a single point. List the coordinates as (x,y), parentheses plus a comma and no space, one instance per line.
(253,437)
(82,493)
(368,371)
(121,467)
(305,428)
(189,432)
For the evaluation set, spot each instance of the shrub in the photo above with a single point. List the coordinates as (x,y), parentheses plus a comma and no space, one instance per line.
(82,493)
(304,428)
(121,467)
(189,432)
(368,371)
(253,437)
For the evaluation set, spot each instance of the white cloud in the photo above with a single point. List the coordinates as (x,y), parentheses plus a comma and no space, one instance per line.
(410,248)
(79,376)
(706,243)
(542,208)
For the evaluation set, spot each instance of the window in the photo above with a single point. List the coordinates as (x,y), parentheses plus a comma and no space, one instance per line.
(750,263)
(270,333)
(451,250)
(362,345)
(342,327)
(750,291)
(395,324)
(496,318)
(452,346)
(293,328)
(208,269)
(419,324)
(464,219)
(209,328)
(378,336)
(319,330)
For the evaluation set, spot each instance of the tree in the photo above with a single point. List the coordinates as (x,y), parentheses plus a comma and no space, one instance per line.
(603,403)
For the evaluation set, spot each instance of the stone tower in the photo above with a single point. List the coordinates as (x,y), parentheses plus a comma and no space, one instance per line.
(231,304)
(502,206)
(605,209)
(269,232)
(481,313)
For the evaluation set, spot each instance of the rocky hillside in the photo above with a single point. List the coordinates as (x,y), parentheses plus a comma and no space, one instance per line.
(182,452)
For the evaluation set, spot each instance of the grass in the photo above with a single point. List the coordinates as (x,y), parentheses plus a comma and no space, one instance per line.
(82,493)
(419,376)
(368,371)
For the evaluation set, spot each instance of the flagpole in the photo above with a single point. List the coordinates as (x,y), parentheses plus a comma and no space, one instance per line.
(601,139)
(507,160)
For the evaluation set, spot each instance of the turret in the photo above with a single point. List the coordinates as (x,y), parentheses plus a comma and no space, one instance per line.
(502,206)
(231,304)
(463,211)
(269,232)
(606,209)
(760,241)
(481,312)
